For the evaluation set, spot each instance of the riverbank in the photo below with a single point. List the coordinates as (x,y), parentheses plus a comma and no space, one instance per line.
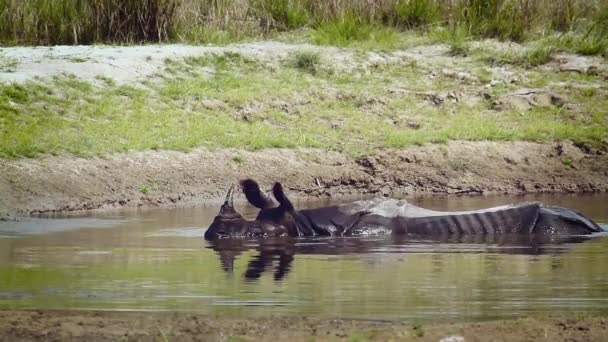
(87,127)
(47,325)
(202,176)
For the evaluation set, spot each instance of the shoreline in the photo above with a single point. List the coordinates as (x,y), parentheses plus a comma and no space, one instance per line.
(87,325)
(201,177)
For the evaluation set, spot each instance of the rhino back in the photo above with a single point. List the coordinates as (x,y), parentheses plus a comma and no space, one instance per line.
(513,219)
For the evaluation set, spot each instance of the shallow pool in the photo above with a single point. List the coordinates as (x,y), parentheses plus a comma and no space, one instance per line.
(157,259)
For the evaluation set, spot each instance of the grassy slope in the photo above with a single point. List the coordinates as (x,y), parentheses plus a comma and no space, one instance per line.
(302,101)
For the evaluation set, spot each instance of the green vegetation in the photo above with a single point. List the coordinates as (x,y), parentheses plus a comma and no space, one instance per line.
(537,55)
(416,13)
(143,188)
(7,64)
(248,104)
(235,339)
(85,22)
(238,159)
(593,43)
(350,31)
(417,330)
(581,26)
(78,59)
(281,14)
(307,60)
(458,39)
(492,18)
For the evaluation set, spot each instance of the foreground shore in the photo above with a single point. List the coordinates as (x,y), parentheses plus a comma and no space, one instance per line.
(51,325)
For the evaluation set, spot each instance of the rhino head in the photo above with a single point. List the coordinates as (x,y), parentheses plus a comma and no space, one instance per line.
(271,220)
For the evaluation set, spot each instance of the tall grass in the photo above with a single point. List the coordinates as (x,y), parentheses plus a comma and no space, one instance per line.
(492,18)
(133,21)
(82,22)
(281,14)
(415,13)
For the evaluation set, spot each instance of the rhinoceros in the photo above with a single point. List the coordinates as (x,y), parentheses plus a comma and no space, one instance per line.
(389,216)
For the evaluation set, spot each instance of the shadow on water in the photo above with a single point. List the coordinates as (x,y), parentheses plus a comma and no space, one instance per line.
(276,255)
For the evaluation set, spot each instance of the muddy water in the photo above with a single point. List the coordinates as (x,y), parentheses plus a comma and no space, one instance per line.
(156,259)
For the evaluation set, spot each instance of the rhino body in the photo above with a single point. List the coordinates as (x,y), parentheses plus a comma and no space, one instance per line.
(390,216)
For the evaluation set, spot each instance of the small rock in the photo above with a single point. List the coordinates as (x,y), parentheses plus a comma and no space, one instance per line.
(282,106)
(397,91)
(248,110)
(575,63)
(459,75)
(412,124)
(436,99)
(525,99)
(452,96)
(7,216)
(213,104)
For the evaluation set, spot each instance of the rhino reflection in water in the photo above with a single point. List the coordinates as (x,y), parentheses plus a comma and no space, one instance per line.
(276,254)
(389,216)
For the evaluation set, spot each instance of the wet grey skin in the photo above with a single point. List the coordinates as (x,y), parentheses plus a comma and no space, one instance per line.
(389,216)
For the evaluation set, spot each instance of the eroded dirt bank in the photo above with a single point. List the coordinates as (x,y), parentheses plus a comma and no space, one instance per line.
(161,178)
(51,325)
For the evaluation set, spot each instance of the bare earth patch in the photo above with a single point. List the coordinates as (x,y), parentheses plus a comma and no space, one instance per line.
(129,64)
(49,325)
(165,178)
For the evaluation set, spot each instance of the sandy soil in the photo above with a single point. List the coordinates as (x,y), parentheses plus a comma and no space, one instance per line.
(51,325)
(133,64)
(130,64)
(165,178)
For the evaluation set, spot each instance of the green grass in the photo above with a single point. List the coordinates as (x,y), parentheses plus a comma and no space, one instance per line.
(591,44)
(238,159)
(307,60)
(416,13)
(417,330)
(218,35)
(492,18)
(370,24)
(282,14)
(143,188)
(458,39)
(534,56)
(85,22)
(8,64)
(287,106)
(349,30)
(78,59)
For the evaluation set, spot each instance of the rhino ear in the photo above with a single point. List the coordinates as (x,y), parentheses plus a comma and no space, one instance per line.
(284,202)
(254,195)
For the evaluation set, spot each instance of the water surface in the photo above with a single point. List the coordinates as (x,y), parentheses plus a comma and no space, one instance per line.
(157,259)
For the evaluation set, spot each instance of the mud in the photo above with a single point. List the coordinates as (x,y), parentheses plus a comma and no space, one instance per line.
(156,326)
(168,178)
